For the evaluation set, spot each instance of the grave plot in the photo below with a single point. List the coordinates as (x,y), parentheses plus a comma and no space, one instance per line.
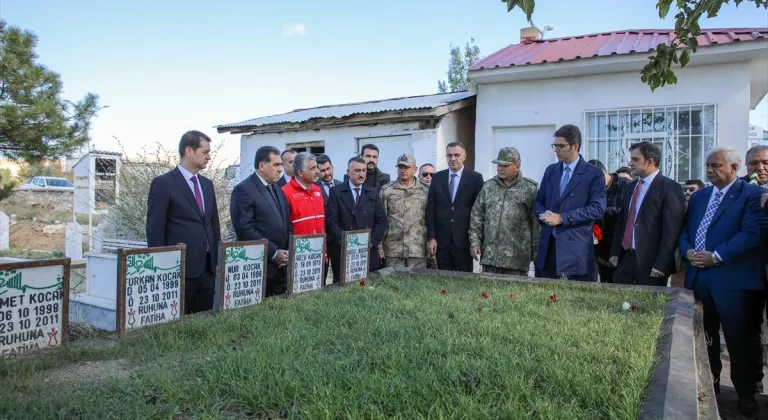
(410,345)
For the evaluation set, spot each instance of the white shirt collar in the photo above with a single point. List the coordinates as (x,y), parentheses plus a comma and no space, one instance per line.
(266,184)
(458,173)
(185,173)
(725,189)
(571,165)
(647,180)
(352,187)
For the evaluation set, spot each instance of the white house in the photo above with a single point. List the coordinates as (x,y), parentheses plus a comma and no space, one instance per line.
(420,125)
(96,176)
(525,91)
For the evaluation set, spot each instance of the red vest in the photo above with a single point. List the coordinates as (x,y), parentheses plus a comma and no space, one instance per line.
(307,209)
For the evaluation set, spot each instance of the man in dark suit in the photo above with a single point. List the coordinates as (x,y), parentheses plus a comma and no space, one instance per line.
(722,244)
(570,200)
(259,211)
(354,206)
(645,237)
(615,186)
(326,180)
(181,208)
(452,194)
(287,157)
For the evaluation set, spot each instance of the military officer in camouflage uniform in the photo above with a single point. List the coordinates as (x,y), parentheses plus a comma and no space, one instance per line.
(503,230)
(405,203)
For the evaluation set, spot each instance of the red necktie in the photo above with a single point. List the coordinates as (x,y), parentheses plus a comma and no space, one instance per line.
(198,196)
(626,242)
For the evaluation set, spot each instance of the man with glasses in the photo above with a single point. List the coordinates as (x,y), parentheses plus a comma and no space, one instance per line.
(426,172)
(571,198)
(691,186)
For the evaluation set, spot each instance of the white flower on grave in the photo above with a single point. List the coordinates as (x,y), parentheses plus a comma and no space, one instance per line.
(625,306)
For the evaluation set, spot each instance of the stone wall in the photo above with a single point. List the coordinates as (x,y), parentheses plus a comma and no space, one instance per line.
(52,199)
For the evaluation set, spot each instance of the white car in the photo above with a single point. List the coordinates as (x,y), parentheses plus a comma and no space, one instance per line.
(48,182)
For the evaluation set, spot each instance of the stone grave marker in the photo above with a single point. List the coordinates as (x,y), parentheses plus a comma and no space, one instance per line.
(305,263)
(355,254)
(5,231)
(241,275)
(34,306)
(150,286)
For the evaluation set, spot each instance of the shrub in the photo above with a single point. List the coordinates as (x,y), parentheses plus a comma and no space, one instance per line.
(7,183)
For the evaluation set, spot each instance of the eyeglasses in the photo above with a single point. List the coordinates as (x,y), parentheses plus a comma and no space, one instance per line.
(559,146)
(426,174)
(690,189)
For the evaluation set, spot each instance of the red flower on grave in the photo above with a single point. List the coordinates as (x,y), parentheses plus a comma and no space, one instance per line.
(53,337)
(553,298)
(634,308)
(362,283)
(512,296)
(484,295)
(227,300)
(597,232)
(443,292)
(480,309)
(174,309)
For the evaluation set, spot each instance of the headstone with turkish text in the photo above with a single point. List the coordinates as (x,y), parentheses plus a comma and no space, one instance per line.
(34,305)
(355,254)
(150,286)
(5,231)
(305,263)
(241,274)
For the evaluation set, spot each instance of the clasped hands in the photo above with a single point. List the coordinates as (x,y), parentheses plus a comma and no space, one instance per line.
(281,258)
(700,259)
(552,219)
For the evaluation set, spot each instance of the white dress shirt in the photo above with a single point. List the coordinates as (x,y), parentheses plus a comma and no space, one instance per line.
(188,177)
(352,190)
(647,181)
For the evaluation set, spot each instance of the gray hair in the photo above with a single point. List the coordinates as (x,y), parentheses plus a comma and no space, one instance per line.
(756,149)
(301,161)
(731,156)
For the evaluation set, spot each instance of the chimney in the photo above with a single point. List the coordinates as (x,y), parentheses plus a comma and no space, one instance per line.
(529,35)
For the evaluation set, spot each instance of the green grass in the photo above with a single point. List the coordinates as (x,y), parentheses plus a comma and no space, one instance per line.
(31,254)
(395,348)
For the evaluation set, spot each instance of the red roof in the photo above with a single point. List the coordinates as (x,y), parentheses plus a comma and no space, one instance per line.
(606,44)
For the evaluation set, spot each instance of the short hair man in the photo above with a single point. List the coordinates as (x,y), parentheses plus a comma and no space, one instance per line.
(181,208)
(374,176)
(259,210)
(690,187)
(757,166)
(325,172)
(426,173)
(624,172)
(287,157)
(305,200)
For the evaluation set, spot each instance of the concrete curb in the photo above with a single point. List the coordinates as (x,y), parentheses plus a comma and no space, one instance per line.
(681,371)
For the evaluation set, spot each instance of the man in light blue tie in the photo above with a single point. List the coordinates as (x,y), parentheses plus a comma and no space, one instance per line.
(722,244)
(571,198)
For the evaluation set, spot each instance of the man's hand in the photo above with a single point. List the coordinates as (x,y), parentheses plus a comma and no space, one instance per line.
(281,258)
(552,219)
(763,199)
(614,261)
(690,255)
(704,259)
(475,252)
(381,255)
(656,273)
(432,247)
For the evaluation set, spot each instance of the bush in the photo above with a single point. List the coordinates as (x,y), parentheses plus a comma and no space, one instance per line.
(52,168)
(7,183)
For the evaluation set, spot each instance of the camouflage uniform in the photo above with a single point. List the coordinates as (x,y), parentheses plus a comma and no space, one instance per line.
(405,243)
(503,224)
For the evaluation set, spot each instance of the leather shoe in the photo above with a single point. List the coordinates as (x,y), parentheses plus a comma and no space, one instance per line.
(748,405)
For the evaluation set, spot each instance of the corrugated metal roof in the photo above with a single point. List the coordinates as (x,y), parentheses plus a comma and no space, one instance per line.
(606,44)
(346,110)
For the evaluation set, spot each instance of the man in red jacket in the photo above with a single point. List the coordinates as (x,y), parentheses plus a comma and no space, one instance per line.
(307,207)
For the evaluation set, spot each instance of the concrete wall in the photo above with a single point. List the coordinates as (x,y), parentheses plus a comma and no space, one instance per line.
(54,199)
(561,101)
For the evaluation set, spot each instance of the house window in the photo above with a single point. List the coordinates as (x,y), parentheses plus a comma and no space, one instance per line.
(685,134)
(314,147)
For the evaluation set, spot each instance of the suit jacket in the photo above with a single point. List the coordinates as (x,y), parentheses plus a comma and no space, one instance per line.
(281,182)
(319,183)
(657,225)
(255,216)
(342,214)
(581,205)
(447,220)
(173,217)
(613,211)
(380,179)
(736,233)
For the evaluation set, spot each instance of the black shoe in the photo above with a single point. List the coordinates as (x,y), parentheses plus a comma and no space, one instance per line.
(748,405)
(760,387)
(716,384)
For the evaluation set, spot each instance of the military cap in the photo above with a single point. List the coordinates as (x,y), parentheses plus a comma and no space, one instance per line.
(507,155)
(407,160)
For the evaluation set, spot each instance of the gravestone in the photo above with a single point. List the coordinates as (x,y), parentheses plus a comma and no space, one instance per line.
(305,263)
(73,241)
(5,231)
(150,286)
(34,306)
(355,255)
(242,274)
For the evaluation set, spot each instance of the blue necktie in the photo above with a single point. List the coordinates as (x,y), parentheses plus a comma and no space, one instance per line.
(564,180)
(701,233)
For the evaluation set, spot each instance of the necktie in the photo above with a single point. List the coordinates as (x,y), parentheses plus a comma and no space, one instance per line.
(701,232)
(626,241)
(564,180)
(198,196)
(357,195)
(273,193)
(451,186)
(327,188)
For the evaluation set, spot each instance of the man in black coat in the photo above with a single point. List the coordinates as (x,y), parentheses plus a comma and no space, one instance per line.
(352,206)
(374,177)
(181,208)
(452,194)
(326,181)
(260,211)
(652,216)
(615,186)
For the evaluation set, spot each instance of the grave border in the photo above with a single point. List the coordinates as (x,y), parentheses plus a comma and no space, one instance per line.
(67,264)
(343,253)
(290,279)
(122,257)
(221,273)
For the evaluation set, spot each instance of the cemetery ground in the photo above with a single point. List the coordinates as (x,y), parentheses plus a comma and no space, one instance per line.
(396,347)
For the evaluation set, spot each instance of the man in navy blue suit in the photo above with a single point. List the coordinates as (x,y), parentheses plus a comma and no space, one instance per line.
(181,208)
(722,244)
(570,200)
(260,211)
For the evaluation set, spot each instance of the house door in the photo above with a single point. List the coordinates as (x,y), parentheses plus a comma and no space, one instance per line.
(533,143)
(390,148)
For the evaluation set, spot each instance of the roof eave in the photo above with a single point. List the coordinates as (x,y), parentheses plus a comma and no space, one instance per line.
(717,54)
